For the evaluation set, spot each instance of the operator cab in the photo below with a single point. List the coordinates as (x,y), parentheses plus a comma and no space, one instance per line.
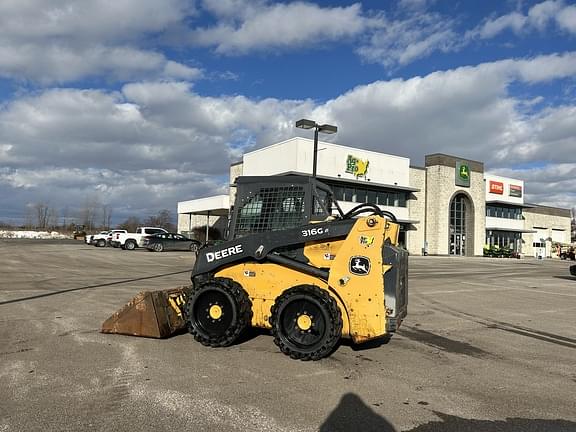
(273,203)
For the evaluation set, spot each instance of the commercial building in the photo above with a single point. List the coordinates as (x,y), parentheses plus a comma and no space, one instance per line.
(450,206)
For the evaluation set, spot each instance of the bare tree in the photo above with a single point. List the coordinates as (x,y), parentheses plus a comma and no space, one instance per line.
(130,224)
(41,211)
(573,226)
(89,211)
(106,216)
(52,220)
(5,225)
(65,216)
(29,216)
(162,219)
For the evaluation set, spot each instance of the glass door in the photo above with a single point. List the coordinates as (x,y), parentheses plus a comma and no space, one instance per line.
(458,226)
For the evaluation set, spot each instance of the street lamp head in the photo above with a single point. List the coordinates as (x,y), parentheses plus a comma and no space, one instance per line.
(305,124)
(325,128)
(328,129)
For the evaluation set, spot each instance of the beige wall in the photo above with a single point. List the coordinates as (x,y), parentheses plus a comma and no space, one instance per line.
(549,226)
(417,211)
(236,171)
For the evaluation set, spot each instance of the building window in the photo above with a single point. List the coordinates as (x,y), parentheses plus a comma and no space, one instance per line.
(504,239)
(362,194)
(504,212)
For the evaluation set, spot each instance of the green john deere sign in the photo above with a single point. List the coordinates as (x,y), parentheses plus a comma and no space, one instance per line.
(462,174)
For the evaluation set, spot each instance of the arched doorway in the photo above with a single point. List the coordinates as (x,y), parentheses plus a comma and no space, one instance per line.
(461,227)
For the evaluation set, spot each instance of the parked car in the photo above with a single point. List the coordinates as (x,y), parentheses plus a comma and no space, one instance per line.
(103,238)
(98,239)
(573,270)
(110,235)
(131,241)
(567,253)
(170,241)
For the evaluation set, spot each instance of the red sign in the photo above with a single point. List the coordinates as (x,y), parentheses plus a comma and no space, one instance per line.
(496,187)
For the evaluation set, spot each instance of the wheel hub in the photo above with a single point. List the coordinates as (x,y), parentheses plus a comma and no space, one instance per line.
(215,312)
(304,322)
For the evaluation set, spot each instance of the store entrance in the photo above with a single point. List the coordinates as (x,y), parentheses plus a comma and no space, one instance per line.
(461,225)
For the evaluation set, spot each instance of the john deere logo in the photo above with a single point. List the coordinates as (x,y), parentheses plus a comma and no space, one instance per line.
(462,174)
(359,265)
(356,166)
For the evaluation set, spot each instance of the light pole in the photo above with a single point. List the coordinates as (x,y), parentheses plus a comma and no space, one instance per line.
(325,128)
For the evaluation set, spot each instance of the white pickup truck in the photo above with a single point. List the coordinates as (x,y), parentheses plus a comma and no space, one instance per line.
(131,241)
(101,239)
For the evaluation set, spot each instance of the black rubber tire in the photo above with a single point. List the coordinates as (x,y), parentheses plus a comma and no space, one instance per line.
(236,312)
(130,245)
(101,243)
(326,330)
(158,247)
(194,247)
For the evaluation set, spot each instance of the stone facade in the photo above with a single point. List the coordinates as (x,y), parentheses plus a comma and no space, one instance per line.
(440,191)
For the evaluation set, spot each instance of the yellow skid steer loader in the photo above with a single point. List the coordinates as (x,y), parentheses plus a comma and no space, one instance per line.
(289,266)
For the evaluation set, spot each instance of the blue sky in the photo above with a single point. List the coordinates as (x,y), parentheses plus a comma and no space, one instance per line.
(138,104)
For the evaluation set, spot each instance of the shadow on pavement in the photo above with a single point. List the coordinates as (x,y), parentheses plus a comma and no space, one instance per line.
(53,293)
(570,278)
(352,414)
(448,423)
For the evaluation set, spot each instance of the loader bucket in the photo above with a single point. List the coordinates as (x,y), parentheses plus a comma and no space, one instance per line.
(155,314)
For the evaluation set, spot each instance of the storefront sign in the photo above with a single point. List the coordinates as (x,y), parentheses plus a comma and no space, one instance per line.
(462,174)
(356,166)
(516,191)
(496,187)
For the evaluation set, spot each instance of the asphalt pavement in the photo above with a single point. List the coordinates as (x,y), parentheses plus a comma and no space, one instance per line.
(488,345)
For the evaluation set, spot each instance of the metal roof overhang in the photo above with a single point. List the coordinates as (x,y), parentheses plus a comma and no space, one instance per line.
(408,221)
(218,205)
(358,182)
(509,204)
(509,230)
(212,212)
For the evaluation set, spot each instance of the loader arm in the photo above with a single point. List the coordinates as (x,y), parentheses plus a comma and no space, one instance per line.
(262,246)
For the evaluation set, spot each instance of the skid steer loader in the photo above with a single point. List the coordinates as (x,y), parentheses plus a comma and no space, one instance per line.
(291,266)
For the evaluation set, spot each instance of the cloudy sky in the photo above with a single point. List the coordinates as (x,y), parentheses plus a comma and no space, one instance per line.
(139,104)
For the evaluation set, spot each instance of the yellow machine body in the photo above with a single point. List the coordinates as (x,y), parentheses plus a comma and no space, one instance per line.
(360,297)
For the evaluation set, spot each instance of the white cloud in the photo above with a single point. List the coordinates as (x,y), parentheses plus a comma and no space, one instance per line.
(541,14)
(58,63)
(567,19)
(68,40)
(247,26)
(465,111)
(155,143)
(403,40)
(413,4)
(538,17)
(551,184)
(277,25)
(513,21)
(88,20)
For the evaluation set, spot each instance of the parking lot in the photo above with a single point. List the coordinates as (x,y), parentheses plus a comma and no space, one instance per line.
(488,345)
